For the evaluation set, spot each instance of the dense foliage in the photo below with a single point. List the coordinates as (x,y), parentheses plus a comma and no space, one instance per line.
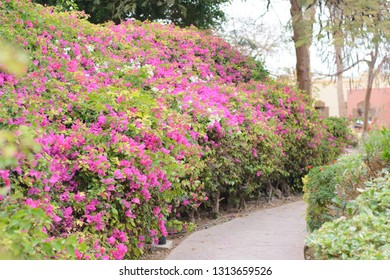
(349,218)
(366,234)
(202,14)
(328,189)
(138,124)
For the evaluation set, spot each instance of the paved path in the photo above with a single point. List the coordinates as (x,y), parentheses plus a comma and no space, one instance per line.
(270,234)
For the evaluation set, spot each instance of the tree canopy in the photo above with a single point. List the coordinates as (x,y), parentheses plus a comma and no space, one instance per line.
(201,13)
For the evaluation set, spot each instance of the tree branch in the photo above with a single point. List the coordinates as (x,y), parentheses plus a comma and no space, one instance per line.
(378,69)
(344,70)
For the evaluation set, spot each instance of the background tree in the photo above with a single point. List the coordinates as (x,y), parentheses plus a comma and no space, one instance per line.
(302,20)
(350,28)
(336,17)
(252,38)
(367,24)
(201,13)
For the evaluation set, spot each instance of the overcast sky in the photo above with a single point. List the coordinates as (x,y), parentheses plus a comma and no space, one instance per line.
(277,17)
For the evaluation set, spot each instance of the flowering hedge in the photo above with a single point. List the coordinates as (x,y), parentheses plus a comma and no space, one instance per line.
(137,124)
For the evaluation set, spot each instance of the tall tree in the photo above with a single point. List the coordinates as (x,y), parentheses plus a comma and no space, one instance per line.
(302,15)
(336,18)
(368,26)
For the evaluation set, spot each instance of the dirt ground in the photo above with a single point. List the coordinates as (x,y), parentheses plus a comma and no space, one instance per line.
(205,223)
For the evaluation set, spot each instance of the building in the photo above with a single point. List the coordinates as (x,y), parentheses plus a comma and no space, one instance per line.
(325,94)
(379,105)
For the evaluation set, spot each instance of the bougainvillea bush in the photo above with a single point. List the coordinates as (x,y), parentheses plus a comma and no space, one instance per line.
(138,124)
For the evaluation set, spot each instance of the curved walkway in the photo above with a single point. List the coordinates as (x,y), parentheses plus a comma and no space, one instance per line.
(270,234)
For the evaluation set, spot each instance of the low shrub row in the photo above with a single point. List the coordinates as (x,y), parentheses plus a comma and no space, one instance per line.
(365,234)
(348,204)
(328,189)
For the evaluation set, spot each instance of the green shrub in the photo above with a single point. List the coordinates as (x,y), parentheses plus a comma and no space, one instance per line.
(378,144)
(366,235)
(339,128)
(329,188)
(24,232)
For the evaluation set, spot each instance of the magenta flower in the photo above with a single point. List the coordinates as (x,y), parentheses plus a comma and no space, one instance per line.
(32,203)
(156,211)
(120,251)
(111,240)
(118,174)
(136,200)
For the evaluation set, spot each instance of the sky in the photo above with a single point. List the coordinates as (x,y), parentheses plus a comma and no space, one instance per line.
(277,18)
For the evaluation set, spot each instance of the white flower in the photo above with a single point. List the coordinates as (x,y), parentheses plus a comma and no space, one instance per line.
(149,70)
(194,79)
(90,48)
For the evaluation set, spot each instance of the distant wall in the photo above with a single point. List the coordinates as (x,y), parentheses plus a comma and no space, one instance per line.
(379,103)
(326,91)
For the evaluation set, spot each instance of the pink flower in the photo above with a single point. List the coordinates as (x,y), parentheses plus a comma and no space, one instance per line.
(120,235)
(156,211)
(118,174)
(136,200)
(79,256)
(120,251)
(254,153)
(79,197)
(91,206)
(111,240)
(32,203)
(72,66)
(102,119)
(54,179)
(185,202)
(68,212)
(130,214)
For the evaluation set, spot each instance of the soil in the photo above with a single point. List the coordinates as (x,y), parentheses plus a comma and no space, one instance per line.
(225,216)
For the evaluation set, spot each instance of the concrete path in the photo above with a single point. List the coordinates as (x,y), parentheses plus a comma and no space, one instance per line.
(270,234)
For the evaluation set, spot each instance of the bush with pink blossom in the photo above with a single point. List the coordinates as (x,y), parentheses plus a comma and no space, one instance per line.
(137,124)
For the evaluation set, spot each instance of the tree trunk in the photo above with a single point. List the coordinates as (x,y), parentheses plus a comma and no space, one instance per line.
(302,23)
(216,200)
(372,73)
(340,90)
(338,43)
(367,98)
